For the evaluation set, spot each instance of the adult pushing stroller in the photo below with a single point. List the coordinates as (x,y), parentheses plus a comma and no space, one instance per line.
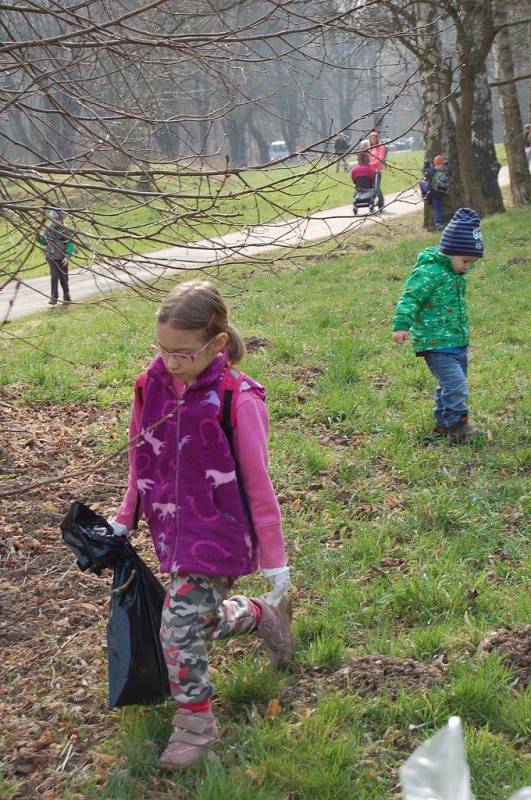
(363,178)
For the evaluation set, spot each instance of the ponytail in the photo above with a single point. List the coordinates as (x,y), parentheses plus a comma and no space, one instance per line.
(235,348)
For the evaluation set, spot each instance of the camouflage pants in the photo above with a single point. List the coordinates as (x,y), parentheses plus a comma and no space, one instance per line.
(195,611)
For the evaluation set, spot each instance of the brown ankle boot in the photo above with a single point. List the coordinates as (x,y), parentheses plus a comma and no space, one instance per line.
(439,432)
(463,432)
(275,631)
(194,732)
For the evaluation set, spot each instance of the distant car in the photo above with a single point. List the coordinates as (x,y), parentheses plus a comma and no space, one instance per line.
(278,149)
(401,144)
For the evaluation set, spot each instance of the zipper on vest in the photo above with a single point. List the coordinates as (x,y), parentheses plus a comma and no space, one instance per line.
(180,402)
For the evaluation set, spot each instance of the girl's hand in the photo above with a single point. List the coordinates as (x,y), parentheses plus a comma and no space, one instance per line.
(400,336)
(119,529)
(278,578)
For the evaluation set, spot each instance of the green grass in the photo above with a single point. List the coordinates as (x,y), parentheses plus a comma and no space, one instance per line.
(7,788)
(452,518)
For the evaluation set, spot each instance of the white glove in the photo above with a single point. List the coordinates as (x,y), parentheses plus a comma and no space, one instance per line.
(278,578)
(119,529)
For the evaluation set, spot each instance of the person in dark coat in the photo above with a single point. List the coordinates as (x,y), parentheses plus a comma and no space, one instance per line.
(58,244)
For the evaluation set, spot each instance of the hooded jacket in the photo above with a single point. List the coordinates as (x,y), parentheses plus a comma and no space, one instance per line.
(57,242)
(433,305)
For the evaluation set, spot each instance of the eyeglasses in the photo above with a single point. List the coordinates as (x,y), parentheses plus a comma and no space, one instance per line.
(181,358)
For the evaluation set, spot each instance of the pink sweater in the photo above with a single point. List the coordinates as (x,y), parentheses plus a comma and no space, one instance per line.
(250,445)
(377,157)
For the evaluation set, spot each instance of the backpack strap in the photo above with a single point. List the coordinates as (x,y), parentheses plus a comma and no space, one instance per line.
(230,389)
(140,392)
(140,387)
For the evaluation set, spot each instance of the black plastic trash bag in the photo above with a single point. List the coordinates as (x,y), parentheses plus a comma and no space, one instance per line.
(137,671)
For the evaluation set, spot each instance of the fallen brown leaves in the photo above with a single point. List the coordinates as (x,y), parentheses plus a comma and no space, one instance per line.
(53,718)
(273,709)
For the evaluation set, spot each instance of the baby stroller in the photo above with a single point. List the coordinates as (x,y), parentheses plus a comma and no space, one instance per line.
(364,193)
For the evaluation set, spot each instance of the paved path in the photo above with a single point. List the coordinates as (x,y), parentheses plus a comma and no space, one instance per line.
(19,300)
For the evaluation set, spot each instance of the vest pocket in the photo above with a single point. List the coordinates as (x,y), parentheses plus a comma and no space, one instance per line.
(227,500)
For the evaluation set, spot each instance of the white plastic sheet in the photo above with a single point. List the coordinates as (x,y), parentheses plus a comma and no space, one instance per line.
(438,770)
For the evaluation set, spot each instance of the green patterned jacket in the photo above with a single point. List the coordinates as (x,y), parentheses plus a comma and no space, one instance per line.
(433,304)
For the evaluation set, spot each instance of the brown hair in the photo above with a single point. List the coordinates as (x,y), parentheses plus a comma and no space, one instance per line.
(374,132)
(198,306)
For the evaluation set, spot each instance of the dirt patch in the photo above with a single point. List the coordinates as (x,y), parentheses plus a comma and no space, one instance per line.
(254,343)
(365,675)
(308,375)
(307,496)
(513,262)
(331,438)
(368,675)
(379,380)
(514,645)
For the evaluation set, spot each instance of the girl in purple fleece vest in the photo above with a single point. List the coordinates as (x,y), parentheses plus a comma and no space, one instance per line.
(205,491)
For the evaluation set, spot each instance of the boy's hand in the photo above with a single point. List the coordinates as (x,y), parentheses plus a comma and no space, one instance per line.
(400,336)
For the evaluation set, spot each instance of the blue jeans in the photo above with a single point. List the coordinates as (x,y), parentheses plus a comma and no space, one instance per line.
(437,208)
(452,392)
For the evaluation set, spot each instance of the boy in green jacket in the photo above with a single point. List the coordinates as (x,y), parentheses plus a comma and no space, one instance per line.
(432,309)
(58,247)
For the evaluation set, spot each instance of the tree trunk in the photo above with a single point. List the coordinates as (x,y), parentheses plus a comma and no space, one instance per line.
(455,197)
(236,135)
(435,82)
(478,165)
(324,122)
(529,82)
(486,166)
(513,135)
(344,102)
(290,127)
(374,78)
(261,143)
(205,128)
(472,198)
